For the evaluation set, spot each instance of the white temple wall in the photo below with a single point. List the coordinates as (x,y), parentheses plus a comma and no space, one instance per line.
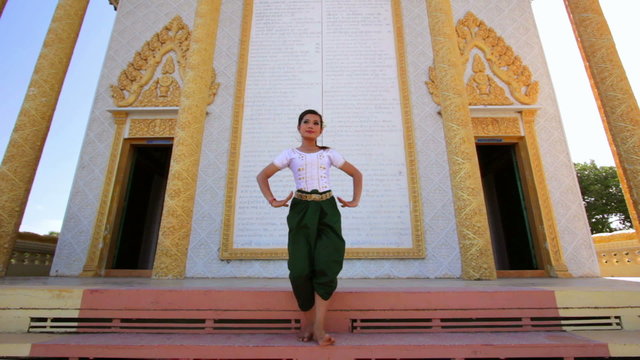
(442,260)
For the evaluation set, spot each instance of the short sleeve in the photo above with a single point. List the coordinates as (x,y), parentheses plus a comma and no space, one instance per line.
(282,161)
(336,159)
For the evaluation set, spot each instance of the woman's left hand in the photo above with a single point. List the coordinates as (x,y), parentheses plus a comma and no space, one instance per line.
(347,203)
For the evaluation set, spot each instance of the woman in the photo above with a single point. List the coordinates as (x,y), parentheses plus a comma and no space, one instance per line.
(315,245)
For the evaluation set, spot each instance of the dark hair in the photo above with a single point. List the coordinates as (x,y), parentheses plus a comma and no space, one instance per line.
(307,112)
(312,112)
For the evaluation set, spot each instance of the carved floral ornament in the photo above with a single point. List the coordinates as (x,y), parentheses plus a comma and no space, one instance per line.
(482,89)
(139,85)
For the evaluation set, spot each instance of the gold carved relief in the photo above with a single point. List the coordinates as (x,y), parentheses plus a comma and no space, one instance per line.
(482,89)
(138,84)
(152,127)
(504,64)
(175,227)
(471,218)
(164,90)
(496,126)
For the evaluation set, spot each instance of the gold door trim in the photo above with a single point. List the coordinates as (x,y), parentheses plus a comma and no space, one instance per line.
(540,207)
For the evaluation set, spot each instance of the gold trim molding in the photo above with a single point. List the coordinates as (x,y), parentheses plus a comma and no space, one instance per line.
(496,126)
(97,252)
(417,250)
(620,236)
(138,84)
(482,89)
(152,128)
(551,249)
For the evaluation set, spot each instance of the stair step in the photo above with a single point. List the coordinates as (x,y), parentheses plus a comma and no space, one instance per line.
(372,320)
(348,346)
(215,310)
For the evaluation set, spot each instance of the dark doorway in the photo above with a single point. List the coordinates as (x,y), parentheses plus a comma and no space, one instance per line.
(137,234)
(513,246)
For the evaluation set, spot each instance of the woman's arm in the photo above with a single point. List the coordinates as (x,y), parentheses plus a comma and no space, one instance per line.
(263,182)
(352,171)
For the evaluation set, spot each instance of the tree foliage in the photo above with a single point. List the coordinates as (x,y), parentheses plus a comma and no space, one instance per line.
(602,197)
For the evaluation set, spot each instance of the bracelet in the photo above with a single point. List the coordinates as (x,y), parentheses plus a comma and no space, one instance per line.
(271,201)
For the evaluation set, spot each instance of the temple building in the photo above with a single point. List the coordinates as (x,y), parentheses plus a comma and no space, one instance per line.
(446,107)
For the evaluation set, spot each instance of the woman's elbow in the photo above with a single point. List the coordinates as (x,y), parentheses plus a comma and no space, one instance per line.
(357,175)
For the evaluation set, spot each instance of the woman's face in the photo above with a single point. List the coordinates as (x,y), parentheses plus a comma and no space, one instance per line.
(310,126)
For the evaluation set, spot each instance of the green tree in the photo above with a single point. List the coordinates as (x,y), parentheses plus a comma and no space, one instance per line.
(602,197)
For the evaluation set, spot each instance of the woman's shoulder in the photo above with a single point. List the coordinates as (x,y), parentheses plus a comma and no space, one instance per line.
(336,158)
(287,152)
(283,158)
(331,151)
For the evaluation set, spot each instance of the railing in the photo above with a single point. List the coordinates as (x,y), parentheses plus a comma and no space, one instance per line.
(618,253)
(32,255)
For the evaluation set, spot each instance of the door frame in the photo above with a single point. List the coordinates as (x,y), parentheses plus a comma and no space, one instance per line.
(530,200)
(516,124)
(116,208)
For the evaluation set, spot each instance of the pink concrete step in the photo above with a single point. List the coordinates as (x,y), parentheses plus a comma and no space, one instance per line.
(274,310)
(219,319)
(348,346)
(359,310)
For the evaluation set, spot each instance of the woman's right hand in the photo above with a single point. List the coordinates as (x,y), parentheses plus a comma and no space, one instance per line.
(281,203)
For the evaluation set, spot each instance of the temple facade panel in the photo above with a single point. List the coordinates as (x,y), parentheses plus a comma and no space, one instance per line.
(136,22)
(93,206)
(514,21)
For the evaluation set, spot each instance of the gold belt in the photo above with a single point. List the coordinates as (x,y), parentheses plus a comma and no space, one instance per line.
(313,197)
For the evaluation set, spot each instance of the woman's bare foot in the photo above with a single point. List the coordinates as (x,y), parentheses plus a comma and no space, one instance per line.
(324,339)
(308,323)
(305,335)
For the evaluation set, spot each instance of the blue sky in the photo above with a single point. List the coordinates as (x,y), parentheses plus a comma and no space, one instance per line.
(24,24)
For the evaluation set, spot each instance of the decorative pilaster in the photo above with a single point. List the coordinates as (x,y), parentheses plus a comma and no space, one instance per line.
(552,251)
(32,126)
(100,231)
(175,227)
(471,217)
(2,4)
(613,93)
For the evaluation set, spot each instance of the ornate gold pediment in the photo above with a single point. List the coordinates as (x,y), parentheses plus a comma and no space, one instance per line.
(142,85)
(482,88)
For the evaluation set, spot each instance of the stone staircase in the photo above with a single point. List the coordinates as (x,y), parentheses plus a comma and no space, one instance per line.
(379,319)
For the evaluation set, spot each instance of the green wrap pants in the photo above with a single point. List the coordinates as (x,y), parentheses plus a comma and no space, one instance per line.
(316,249)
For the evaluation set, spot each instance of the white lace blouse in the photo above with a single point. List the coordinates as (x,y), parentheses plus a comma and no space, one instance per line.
(310,170)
